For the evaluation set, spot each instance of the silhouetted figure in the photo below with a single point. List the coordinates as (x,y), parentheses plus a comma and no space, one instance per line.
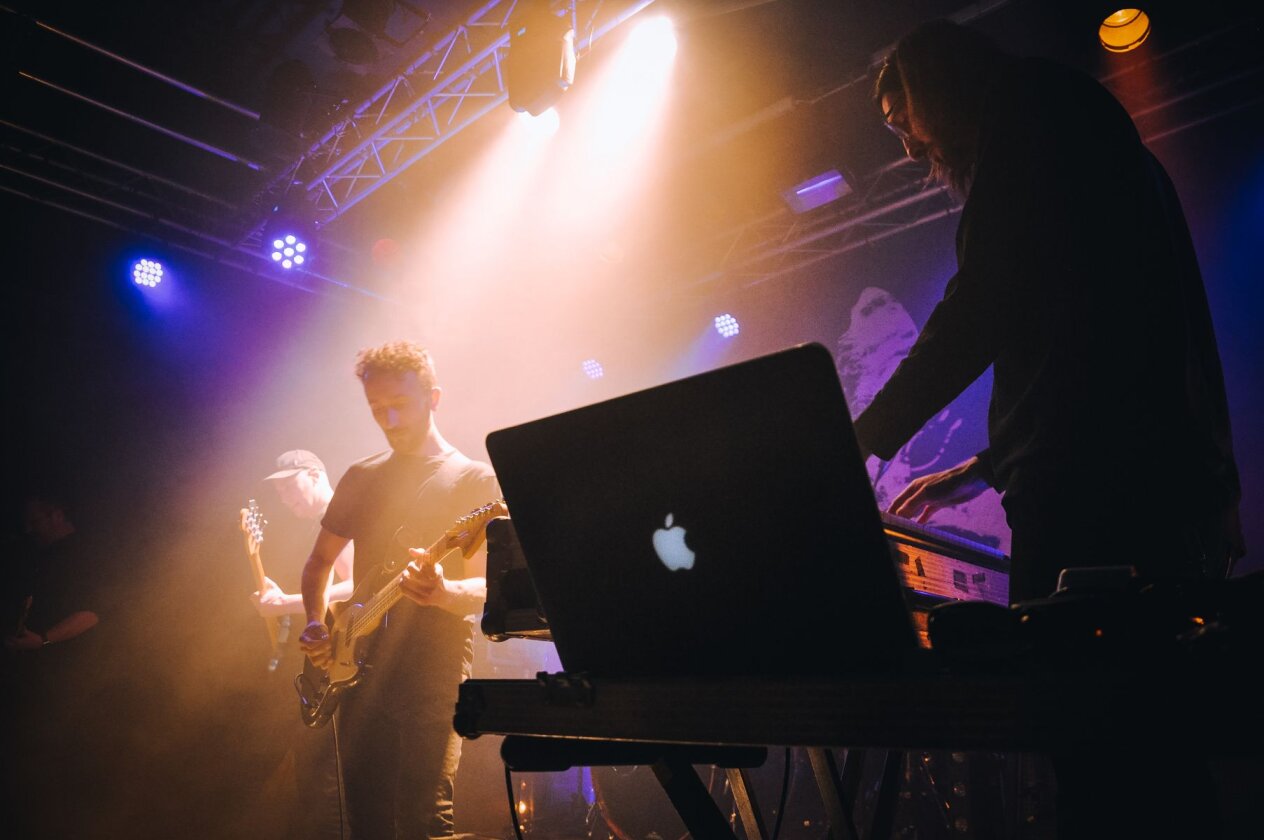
(1077,283)
(56,766)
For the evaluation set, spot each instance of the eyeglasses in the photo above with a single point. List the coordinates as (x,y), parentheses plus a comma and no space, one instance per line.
(897,121)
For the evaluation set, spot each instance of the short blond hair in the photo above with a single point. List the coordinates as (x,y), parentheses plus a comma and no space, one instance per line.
(397,357)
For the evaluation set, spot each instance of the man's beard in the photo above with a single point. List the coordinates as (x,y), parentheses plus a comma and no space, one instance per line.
(405,441)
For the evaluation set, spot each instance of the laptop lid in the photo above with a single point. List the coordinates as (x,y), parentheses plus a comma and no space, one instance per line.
(722,524)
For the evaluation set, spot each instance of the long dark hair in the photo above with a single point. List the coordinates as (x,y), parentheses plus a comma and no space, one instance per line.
(942,71)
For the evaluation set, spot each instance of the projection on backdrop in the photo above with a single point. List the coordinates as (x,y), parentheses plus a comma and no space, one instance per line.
(879,335)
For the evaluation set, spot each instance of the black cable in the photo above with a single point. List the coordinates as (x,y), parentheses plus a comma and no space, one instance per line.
(785,790)
(342,799)
(513,803)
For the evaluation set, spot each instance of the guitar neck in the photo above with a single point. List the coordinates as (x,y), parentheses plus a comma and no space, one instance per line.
(467,534)
(388,596)
(256,564)
(256,570)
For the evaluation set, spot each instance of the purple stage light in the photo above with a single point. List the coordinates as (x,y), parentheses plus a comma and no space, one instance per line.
(593,369)
(815,192)
(727,326)
(147,273)
(289,251)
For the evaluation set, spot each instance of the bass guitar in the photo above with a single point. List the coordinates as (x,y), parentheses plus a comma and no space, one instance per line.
(252,523)
(351,622)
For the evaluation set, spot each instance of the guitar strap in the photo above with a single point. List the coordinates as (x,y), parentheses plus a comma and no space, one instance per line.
(432,496)
(415,521)
(429,516)
(431,493)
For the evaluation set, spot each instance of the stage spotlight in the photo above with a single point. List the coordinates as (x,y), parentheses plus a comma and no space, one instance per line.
(289,232)
(540,66)
(654,40)
(1124,30)
(815,192)
(289,251)
(727,326)
(542,125)
(147,273)
(593,369)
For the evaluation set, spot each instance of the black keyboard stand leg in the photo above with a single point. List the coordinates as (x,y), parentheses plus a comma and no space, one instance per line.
(853,774)
(673,766)
(883,823)
(691,799)
(825,769)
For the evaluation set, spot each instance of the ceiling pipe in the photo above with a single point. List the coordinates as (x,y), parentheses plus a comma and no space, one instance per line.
(142,173)
(184,138)
(149,71)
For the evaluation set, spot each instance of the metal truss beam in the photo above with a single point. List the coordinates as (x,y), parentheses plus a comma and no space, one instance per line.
(897,199)
(457,81)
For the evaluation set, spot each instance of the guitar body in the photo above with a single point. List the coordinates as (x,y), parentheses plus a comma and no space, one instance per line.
(351,623)
(319,689)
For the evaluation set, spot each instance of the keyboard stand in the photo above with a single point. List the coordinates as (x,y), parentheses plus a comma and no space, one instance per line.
(673,767)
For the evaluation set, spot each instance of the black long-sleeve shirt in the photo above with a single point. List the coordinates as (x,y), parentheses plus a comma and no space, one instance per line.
(1077,281)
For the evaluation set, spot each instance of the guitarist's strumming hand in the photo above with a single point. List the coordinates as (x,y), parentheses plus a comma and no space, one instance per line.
(314,642)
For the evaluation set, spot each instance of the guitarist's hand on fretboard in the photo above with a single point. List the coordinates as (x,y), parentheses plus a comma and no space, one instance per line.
(423,581)
(270,594)
(314,642)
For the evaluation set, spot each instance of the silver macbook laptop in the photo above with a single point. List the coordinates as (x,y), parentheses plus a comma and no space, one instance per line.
(719,525)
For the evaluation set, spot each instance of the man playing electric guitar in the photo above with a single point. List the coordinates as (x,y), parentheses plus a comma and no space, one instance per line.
(399,752)
(301,483)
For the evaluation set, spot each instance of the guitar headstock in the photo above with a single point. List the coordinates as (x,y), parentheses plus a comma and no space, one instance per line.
(252,524)
(468,532)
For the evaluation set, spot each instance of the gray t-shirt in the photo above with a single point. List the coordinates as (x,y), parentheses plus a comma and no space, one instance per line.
(419,654)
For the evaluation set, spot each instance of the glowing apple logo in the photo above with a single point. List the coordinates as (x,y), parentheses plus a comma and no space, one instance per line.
(669,545)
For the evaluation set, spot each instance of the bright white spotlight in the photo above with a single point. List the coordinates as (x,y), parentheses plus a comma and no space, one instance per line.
(727,326)
(147,273)
(654,41)
(288,250)
(593,369)
(545,124)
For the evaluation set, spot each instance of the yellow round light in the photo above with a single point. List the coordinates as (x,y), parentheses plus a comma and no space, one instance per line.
(1124,30)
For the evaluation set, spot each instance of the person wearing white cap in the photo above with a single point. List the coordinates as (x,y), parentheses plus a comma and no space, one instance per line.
(302,484)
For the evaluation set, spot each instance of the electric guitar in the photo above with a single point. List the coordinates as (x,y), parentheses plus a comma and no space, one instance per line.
(252,523)
(351,622)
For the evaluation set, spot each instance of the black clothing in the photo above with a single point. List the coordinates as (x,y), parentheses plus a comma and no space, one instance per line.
(1078,283)
(61,699)
(1108,427)
(399,751)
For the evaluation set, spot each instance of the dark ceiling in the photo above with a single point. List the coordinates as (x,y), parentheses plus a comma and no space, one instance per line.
(91,134)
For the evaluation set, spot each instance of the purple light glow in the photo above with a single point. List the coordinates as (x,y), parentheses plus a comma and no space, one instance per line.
(815,192)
